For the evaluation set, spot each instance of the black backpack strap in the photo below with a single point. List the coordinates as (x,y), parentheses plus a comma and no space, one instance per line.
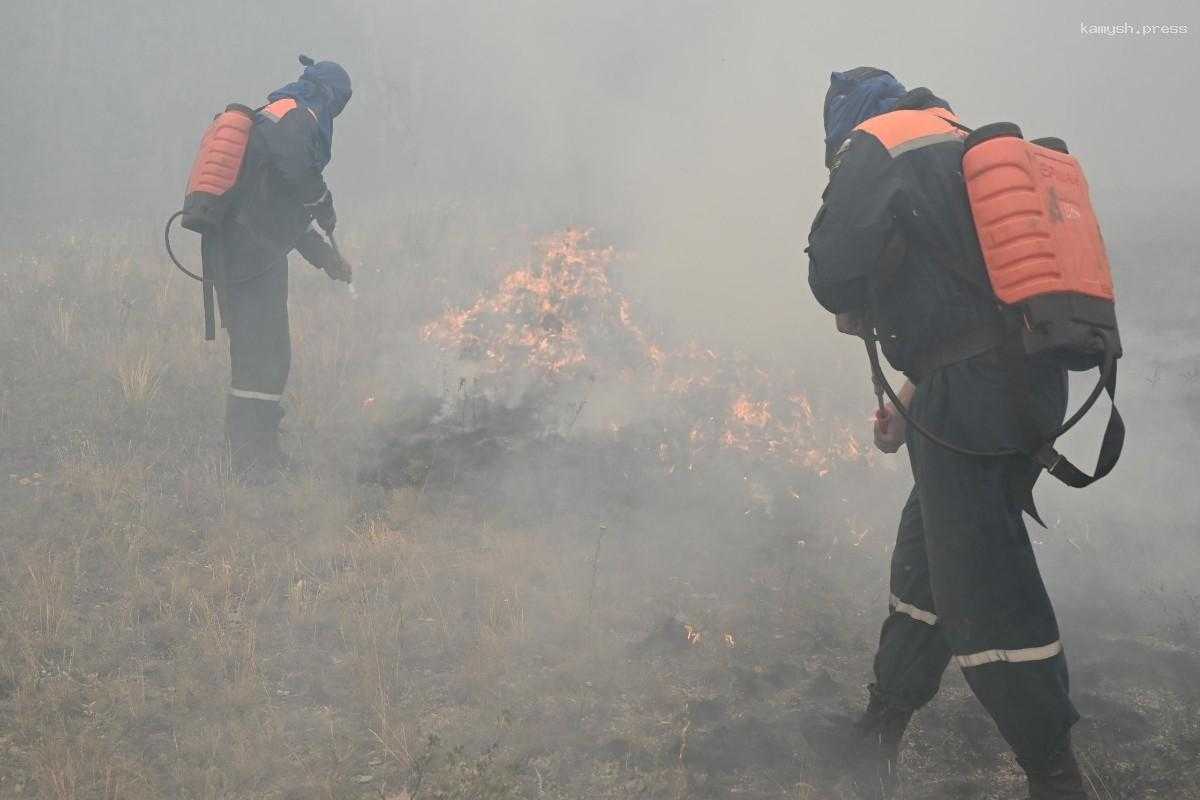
(1012,356)
(211,247)
(1036,442)
(1110,447)
(1020,391)
(958,125)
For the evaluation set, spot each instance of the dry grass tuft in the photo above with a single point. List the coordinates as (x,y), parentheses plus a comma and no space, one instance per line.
(62,323)
(140,373)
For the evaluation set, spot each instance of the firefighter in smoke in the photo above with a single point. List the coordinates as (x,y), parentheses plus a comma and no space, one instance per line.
(894,243)
(281,195)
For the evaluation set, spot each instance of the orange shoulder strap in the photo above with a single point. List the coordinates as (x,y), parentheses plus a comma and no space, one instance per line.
(276,110)
(908,129)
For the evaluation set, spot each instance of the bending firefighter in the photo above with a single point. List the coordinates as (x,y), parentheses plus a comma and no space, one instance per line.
(894,248)
(255,192)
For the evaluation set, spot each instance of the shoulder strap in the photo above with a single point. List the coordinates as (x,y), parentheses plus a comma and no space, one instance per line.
(275,111)
(903,129)
(1037,443)
(1111,445)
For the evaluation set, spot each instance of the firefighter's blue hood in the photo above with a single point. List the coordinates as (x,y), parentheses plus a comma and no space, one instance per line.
(324,87)
(854,96)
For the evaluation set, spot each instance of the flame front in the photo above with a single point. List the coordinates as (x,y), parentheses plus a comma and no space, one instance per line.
(561,321)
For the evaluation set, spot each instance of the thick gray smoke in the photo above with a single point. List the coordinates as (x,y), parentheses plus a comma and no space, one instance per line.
(687,134)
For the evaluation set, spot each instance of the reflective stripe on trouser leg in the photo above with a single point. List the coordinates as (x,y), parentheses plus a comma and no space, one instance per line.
(913,652)
(1011,656)
(249,395)
(900,607)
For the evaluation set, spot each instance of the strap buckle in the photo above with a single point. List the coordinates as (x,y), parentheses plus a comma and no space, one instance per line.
(1048,457)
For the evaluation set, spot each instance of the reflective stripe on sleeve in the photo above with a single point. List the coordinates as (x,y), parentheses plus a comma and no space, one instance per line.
(254,395)
(924,141)
(319,200)
(918,614)
(1013,656)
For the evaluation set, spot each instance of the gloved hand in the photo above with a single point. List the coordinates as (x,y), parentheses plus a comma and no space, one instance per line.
(339,269)
(889,429)
(851,322)
(890,425)
(323,213)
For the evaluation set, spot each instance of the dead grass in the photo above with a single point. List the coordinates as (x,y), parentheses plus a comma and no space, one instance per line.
(140,374)
(62,323)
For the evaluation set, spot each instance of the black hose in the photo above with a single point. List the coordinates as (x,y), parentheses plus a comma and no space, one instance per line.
(1109,364)
(171,253)
(194,276)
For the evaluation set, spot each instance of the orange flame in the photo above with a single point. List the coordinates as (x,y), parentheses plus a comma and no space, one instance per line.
(561,318)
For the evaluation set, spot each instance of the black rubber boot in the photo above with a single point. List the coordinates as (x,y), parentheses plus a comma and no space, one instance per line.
(252,434)
(875,773)
(1062,780)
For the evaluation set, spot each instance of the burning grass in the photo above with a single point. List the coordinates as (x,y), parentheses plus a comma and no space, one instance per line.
(558,330)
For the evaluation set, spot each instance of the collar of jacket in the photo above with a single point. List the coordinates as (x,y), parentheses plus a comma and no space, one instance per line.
(920,99)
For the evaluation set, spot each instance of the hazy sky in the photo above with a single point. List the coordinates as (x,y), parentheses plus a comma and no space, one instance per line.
(688,133)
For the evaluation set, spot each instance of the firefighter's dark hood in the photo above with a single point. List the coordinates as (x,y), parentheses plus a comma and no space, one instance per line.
(324,88)
(854,96)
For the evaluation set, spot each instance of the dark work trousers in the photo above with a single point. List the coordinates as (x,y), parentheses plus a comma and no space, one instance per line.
(964,580)
(253,306)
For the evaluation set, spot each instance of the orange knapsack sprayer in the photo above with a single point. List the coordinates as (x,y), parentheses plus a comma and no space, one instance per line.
(1041,243)
(210,191)
(217,167)
(1049,270)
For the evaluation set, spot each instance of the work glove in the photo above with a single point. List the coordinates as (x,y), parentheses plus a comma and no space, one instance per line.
(339,269)
(323,213)
(889,429)
(852,322)
(319,252)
